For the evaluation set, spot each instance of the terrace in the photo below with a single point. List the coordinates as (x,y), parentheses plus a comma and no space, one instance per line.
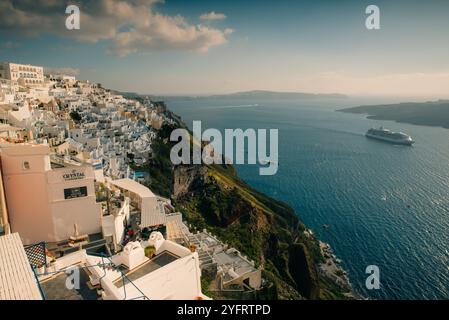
(55,288)
(159,261)
(173,273)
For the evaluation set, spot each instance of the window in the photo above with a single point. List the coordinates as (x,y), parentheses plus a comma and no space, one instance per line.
(72,193)
(26,165)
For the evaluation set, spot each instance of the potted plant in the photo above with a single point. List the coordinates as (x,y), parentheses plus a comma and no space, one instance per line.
(150,251)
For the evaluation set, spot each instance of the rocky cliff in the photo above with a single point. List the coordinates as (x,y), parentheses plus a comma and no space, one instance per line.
(213,197)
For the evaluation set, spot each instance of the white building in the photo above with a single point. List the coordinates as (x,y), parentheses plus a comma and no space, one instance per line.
(151,206)
(63,77)
(46,204)
(172,274)
(8,90)
(113,224)
(25,74)
(19,115)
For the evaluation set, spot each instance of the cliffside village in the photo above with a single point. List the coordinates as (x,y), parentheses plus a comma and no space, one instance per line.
(72,210)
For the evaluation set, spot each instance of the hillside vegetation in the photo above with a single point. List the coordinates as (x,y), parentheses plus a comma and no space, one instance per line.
(268,231)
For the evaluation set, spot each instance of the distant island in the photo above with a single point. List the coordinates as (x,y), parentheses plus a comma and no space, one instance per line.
(255,94)
(430,113)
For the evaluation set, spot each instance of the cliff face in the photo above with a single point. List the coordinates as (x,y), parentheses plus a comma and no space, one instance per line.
(213,197)
(210,197)
(305,275)
(187,178)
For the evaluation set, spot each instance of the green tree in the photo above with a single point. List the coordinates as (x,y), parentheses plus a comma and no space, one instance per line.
(75,116)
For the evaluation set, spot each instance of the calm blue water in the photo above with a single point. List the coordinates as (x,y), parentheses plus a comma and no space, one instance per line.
(386,205)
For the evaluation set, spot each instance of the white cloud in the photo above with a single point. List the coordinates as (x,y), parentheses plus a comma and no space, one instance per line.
(212,16)
(164,32)
(131,26)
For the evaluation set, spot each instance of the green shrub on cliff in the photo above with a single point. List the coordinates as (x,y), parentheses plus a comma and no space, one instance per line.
(268,231)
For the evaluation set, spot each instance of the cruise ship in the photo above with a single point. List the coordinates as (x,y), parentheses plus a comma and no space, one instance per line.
(390,136)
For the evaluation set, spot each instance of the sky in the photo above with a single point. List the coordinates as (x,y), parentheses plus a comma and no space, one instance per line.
(221,46)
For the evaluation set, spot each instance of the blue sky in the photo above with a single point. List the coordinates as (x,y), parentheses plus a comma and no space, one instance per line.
(313,46)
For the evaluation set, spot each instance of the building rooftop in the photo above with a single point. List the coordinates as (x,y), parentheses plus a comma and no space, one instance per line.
(55,288)
(7,127)
(159,261)
(133,186)
(176,229)
(153,216)
(233,260)
(17,279)
(21,149)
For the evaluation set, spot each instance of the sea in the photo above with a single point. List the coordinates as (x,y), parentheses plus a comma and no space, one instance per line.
(383,205)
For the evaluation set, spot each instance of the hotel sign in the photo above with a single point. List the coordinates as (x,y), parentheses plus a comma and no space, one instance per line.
(72,193)
(74,175)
